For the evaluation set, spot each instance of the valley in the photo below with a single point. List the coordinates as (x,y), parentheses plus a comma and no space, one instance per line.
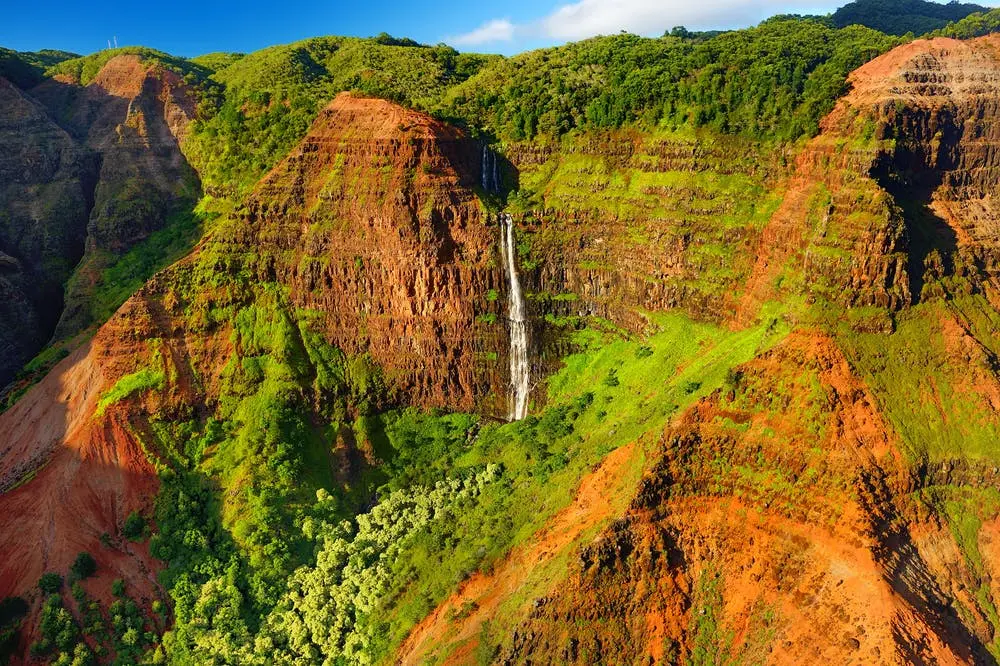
(669,350)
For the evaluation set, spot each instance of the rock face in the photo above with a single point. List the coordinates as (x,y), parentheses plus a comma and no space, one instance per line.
(134,116)
(939,107)
(373,222)
(46,185)
(895,194)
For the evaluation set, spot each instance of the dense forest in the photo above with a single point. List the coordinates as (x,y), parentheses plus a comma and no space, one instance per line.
(899,17)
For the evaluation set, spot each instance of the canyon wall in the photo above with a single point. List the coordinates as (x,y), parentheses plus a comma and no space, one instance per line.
(374,222)
(134,115)
(46,185)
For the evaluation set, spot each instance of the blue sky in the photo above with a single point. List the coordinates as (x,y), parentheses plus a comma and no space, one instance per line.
(192,27)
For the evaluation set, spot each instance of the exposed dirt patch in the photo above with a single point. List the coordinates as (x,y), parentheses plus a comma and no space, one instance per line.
(79,479)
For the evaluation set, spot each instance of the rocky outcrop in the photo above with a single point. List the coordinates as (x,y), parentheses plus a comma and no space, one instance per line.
(895,194)
(373,222)
(46,185)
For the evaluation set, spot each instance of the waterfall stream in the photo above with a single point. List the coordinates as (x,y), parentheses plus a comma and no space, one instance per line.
(520,371)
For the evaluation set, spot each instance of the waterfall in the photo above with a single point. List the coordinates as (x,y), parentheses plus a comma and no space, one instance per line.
(490,176)
(519,368)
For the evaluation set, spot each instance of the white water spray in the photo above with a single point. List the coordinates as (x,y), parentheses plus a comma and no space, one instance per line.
(520,371)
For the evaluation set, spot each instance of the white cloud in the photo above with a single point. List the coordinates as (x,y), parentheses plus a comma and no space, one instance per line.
(594,17)
(586,18)
(498,30)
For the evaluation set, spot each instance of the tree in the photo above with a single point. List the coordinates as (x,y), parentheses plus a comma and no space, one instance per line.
(134,526)
(84,566)
(50,582)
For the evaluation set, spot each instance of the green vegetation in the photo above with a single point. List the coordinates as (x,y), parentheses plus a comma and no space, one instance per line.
(217,60)
(60,634)
(283,558)
(134,527)
(26,69)
(712,194)
(12,613)
(144,380)
(974,25)
(965,509)
(85,633)
(33,372)
(125,274)
(775,81)
(711,644)
(50,583)
(84,69)
(898,17)
(84,566)
(929,399)
(303,516)
(269,98)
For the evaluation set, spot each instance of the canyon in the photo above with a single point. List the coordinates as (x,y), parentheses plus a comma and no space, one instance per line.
(755,383)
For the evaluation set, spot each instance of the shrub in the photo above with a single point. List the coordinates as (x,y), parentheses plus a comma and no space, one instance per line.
(50,583)
(84,566)
(12,609)
(134,527)
(691,386)
(643,352)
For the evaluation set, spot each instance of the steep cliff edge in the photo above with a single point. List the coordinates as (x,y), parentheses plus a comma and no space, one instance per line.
(46,185)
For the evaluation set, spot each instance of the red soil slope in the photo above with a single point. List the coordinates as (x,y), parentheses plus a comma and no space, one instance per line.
(79,478)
